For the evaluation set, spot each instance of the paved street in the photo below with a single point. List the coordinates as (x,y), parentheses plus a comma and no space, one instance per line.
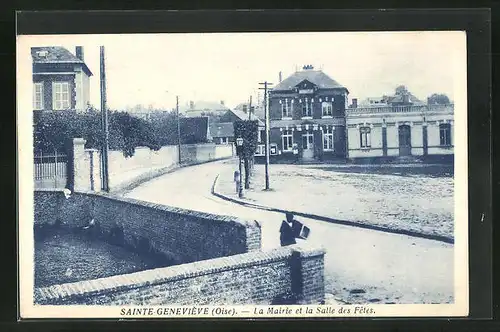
(360,265)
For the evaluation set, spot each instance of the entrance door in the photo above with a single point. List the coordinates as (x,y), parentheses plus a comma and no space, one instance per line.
(404,140)
(308,145)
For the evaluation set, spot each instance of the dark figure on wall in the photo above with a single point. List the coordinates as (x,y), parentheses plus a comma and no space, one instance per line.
(287,233)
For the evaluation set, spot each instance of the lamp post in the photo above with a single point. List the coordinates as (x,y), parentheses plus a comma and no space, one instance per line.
(239,149)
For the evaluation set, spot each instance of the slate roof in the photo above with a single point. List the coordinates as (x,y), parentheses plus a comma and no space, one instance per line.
(222,129)
(57,54)
(203,106)
(244,116)
(317,77)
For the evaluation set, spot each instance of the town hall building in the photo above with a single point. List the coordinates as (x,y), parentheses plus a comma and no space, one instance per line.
(310,121)
(307,117)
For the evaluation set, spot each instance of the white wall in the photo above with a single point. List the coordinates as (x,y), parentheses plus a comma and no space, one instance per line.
(355,150)
(78,89)
(123,170)
(433,135)
(223,151)
(417,140)
(367,117)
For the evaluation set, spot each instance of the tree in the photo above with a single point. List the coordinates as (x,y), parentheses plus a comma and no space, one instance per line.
(438,99)
(248,130)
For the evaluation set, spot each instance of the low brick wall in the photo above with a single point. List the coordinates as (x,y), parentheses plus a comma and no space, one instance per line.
(285,275)
(182,235)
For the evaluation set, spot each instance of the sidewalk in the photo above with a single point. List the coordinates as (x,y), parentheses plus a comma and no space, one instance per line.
(414,205)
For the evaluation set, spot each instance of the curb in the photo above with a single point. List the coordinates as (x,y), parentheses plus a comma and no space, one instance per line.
(441,238)
(123,189)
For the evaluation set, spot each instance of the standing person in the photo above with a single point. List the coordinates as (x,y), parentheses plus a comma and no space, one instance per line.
(287,234)
(237,181)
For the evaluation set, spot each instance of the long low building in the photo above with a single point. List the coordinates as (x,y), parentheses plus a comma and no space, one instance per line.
(400,131)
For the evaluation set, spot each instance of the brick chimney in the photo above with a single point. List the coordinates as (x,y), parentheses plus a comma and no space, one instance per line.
(406,98)
(354,102)
(280,77)
(79,52)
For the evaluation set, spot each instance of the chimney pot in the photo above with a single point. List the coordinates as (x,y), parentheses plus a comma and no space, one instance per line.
(79,52)
(354,102)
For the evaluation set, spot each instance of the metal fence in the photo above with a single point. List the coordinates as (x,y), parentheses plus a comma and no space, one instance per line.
(50,170)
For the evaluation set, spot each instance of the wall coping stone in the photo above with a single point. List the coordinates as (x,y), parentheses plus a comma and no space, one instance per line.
(161,207)
(167,274)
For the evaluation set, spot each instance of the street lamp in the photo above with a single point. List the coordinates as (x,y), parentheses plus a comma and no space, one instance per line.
(239,149)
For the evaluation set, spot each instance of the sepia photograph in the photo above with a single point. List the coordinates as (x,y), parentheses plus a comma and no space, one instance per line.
(318,174)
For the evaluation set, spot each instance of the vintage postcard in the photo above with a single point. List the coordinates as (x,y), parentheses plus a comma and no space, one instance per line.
(243,175)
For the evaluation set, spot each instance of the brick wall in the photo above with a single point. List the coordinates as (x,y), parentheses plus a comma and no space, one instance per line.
(181,235)
(253,278)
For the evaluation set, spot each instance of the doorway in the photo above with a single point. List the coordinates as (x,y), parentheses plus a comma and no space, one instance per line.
(404,140)
(307,145)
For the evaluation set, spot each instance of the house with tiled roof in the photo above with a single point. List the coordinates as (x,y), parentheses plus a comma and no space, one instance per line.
(61,79)
(222,127)
(307,117)
(222,132)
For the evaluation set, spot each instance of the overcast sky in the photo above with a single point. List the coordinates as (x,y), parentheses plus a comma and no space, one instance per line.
(152,69)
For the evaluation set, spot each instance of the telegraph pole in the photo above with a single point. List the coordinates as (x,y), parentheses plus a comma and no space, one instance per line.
(178,127)
(250,109)
(266,112)
(104,123)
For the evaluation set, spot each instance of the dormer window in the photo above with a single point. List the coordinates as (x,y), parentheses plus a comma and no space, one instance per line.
(42,53)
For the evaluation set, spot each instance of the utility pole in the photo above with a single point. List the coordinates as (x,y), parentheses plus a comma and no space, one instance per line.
(250,109)
(104,123)
(266,112)
(178,127)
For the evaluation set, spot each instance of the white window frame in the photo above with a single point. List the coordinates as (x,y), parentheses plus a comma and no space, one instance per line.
(224,140)
(328,134)
(58,92)
(328,106)
(308,109)
(309,136)
(286,109)
(365,137)
(38,104)
(446,127)
(261,150)
(287,135)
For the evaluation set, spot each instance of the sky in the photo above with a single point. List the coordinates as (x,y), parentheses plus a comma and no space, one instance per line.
(151,69)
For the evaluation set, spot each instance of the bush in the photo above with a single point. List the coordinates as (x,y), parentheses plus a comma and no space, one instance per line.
(52,130)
